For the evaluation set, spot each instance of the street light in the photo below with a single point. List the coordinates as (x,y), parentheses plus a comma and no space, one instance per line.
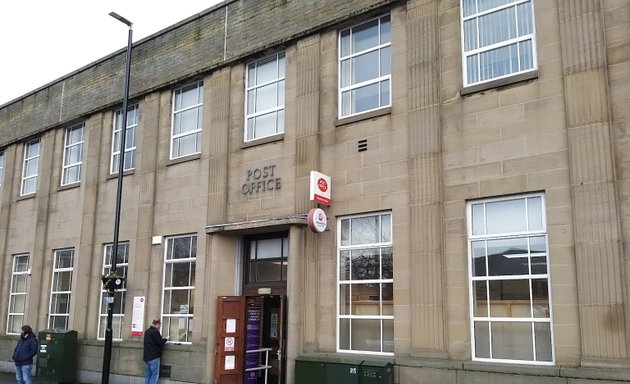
(107,353)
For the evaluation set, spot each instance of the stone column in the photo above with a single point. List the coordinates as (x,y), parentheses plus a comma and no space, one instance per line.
(85,255)
(221,253)
(595,210)
(295,309)
(41,262)
(428,337)
(617,31)
(305,63)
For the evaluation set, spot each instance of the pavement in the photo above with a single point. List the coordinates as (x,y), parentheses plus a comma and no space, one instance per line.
(9,378)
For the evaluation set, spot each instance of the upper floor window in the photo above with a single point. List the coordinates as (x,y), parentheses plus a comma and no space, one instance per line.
(265,97)
(130,139)
(365,67)
(29,169)
(118,313)
(498,39)
(187,120)
(365,284)
(509,280)
(72,155)
(17,296)
(180,259)
(61,289)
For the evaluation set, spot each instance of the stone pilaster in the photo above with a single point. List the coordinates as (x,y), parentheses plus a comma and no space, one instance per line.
(85,255)
(428,335)
(595,213)
(307,78)
(217,115)
(40,288)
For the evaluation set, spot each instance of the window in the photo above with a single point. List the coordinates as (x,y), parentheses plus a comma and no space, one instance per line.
(365,67)
(29,170)
(187,120)
(72,155)
(17,296)
(60,291)
(265,97)
(267,259)
(1,167)
(366,284)
(179,287)
(509,280)
(498,39)
(130,139)
(122,263)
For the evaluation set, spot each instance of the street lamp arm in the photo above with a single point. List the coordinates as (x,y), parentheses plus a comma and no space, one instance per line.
(121,19)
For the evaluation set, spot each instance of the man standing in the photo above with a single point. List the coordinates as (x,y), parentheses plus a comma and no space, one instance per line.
(153,343)
(23,354)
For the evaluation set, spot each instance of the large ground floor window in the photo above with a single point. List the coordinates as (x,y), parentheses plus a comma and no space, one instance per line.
(509,280)
(180,258)
(17,295)
(61,289)
(365,321)
(118,313)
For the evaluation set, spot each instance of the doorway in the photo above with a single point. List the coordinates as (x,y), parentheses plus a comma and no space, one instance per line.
(250,339)
(265,341)
(253,352)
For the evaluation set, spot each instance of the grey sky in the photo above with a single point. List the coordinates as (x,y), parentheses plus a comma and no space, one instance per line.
(44,39)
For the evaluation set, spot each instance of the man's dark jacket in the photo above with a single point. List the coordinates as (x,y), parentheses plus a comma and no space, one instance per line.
(25,350)
(153,343)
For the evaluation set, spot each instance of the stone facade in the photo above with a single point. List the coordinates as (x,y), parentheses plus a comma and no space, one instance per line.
(563,131)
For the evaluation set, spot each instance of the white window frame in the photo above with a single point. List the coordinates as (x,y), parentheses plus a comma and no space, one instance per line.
(122,267)
(198,86)
(278,109)
(130,145)
(25,165)
(529,233)
(54,293)
(70,146)
(380,79)
(380,246)
(16,274)
(167,318)
(505,43)
(1,167)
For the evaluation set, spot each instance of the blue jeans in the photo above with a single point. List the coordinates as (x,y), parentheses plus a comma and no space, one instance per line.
(152,371)
(23,374)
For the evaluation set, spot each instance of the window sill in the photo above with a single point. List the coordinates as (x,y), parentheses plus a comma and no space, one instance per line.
(264,140)
(184,159)
(363,116)
(69,186)
(115,175)
(499,83)
(28,196)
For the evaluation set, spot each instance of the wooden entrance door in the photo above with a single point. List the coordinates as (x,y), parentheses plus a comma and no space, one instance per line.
(230,345)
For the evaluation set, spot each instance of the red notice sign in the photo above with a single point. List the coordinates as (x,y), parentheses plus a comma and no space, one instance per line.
(320,188)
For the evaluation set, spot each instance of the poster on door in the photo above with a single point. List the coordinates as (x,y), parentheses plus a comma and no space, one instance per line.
(252,342)
(228,344)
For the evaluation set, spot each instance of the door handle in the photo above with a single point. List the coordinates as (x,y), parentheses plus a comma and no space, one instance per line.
(279,353)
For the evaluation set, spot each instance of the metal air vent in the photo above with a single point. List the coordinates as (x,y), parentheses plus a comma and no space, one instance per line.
(362,145)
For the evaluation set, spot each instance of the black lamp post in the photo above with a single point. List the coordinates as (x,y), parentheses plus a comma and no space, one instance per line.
(112,286)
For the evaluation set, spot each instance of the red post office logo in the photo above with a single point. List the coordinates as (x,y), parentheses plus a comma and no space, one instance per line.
(322,185)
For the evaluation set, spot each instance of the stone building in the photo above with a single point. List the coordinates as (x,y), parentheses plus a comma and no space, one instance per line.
(479,162)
